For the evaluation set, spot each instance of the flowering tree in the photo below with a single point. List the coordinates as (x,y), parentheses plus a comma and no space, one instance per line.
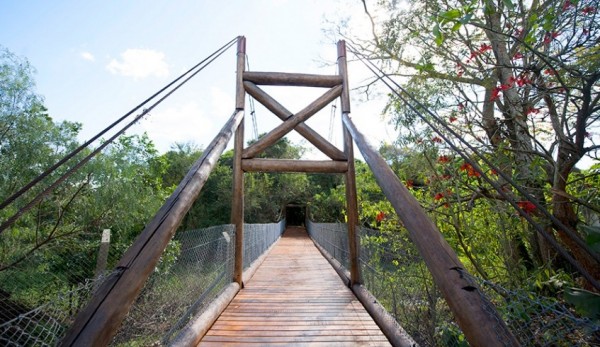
(519,80)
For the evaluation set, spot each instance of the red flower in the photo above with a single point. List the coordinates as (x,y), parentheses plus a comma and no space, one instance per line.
(495,93)
(380,216)
(567,5)
(533,110)
(438,196)
(452,119)
(494,172)
(484,48)
(588,10)
(443,159)
(518,55)
(436,139)
(410,184)
(471,172)
(526,206)
(549,72)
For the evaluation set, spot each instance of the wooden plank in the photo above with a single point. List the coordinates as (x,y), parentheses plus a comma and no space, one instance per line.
(295,297)
(309,134)
(97,323)
(285,165)
(290,123)
(477,317)
(292,79)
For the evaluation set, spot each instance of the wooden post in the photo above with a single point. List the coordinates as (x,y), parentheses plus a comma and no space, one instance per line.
(476,316)
(237,203)
(350,176)
(102,259)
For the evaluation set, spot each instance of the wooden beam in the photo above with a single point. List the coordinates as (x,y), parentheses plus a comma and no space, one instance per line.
(309,134)
(237,201)
(388,324)
(350,177)
(98,322)
(240,95)
(290,123)
(193,333)
(285,165)
(476,316)
(292,79)
(343,71)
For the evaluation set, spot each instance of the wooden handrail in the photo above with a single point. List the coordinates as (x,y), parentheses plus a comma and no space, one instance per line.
(99,321)
(476,316)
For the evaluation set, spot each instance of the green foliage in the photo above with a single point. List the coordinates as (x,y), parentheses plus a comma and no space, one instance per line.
(586,302)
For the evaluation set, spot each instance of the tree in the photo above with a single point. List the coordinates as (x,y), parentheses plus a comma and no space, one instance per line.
(519,80)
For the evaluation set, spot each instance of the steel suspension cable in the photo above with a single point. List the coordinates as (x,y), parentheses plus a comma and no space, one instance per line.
(199,67)
(66,158)
(386,79)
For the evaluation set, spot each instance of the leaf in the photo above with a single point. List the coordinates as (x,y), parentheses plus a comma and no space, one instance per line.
(586,303)
(509,4)
(467,18)
(439,37)
(592,236)
(451,14)
(456,26)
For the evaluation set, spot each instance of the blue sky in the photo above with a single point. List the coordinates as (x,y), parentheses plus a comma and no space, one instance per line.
(95,60)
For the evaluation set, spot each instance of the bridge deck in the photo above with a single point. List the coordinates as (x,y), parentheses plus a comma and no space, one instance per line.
(295,298)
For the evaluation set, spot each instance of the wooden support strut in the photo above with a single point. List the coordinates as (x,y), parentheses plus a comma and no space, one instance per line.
(290,123)
(477,317)
(98,322)
(292,79)
(350,176)
(237,202)
(309,134)
(285,165)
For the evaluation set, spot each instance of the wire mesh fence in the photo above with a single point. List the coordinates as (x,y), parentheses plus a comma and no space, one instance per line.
(193,270)
(395,274)
(333,237)
(42,288)
(258,238)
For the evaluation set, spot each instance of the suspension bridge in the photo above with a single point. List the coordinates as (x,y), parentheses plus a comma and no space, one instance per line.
(268,284)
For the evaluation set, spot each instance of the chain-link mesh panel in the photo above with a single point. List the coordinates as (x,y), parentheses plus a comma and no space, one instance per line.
(43,286)
(538,320)
(395,274)
(192,271)
(258,237)
(333,237)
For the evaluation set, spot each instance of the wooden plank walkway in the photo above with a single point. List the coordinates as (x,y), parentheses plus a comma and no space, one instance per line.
(295,299)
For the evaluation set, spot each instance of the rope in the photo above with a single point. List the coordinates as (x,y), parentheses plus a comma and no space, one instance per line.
(199,67)
(383,76)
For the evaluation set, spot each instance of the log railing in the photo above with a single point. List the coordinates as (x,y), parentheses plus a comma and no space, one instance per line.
(476,317)
(97,323)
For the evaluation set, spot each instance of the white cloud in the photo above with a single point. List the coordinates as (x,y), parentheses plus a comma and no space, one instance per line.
(189,121)
(140,63)
(87,56)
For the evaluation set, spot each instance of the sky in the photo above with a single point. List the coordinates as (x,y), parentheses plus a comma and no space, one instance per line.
(96,60)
